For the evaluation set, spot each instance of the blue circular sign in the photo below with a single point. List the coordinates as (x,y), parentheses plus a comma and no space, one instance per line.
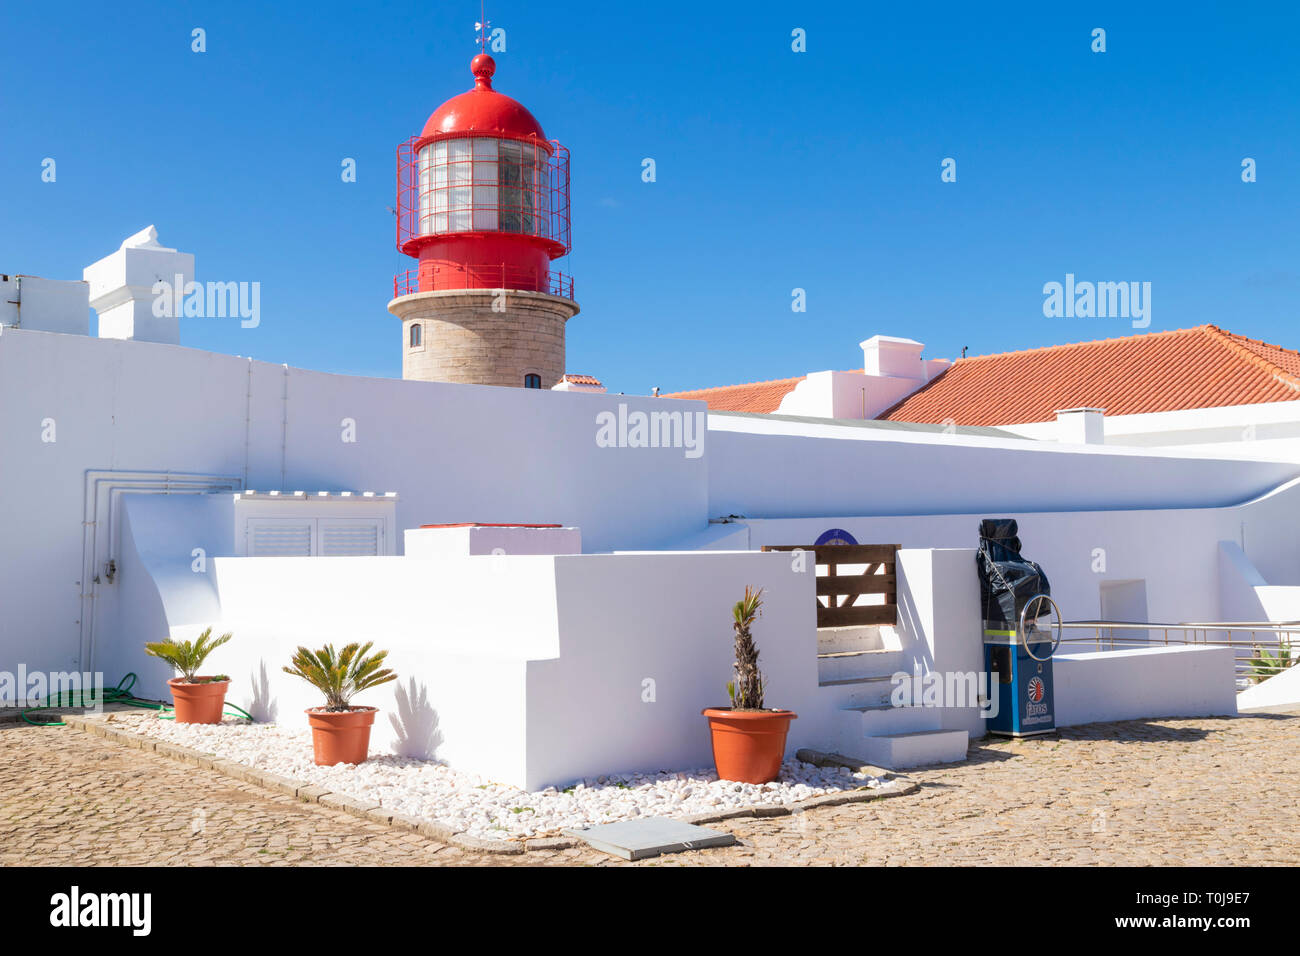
(835,536)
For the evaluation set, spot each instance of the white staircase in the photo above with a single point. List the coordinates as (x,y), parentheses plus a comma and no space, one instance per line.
(856,664)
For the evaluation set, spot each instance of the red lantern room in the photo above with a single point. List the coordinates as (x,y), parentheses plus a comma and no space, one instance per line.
(483,197)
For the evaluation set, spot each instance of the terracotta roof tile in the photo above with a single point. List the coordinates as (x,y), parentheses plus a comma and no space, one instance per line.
(751,397)
(581,379)
(1203,367)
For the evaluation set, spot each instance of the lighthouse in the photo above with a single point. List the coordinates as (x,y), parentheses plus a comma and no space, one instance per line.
(483,205)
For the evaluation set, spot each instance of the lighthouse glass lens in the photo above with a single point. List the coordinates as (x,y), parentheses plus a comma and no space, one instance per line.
(485,183)
(433,189)
(518,173)
(460,194)
(528,190)
(509,178)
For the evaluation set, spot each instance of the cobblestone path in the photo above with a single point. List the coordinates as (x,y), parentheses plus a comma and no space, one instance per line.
(1201,791)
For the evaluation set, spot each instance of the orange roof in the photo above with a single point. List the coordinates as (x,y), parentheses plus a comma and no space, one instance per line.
(1204,367)
(753,397)
(581,379)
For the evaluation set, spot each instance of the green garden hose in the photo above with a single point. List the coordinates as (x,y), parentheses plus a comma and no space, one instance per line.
(119,694)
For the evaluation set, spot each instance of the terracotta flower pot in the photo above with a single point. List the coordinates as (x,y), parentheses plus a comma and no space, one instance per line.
(340,736)
(748,745)
(200,703)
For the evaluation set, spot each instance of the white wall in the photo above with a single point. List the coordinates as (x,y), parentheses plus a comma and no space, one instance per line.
(939,622)
(627,619)
(1174,551)
(1248,596)
(1267,429)
(1143,682)
(452,452)
(754,463)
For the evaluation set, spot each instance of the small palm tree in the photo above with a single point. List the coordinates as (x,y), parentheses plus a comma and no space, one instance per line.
(187,656)
(340,676)
(746,691)
(1265,665)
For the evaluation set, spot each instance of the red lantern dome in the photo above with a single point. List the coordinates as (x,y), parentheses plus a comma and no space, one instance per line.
(483,110)
(483,196)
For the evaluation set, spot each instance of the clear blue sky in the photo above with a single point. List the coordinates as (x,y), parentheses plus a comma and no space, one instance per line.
(776,169)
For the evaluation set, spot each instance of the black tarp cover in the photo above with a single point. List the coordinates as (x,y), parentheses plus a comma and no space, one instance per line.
(1007,580)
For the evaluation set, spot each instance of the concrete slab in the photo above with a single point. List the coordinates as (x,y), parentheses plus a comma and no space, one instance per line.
(652,836)
(916,749)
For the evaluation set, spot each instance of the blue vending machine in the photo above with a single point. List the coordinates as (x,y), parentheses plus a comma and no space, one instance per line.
(1016,604)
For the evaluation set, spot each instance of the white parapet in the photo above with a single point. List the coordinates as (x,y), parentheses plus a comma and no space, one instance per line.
(455,540)
(44,305)
(1156,681)
(137,289)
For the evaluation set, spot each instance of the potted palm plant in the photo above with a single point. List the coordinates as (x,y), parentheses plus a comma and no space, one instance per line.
(748,739)
(340,733)
(196,699)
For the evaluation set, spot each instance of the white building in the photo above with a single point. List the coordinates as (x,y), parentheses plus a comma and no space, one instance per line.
(153,489)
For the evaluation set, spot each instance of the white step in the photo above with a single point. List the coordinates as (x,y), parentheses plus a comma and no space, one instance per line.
(914,749)
(836,640)
(858,665)
(857,723)
(858,693)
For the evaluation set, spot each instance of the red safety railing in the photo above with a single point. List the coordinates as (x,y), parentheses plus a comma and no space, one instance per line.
(407,184)
(428,278)
(463,184)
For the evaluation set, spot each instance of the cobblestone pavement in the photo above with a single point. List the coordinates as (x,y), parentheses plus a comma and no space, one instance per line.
(1169,792)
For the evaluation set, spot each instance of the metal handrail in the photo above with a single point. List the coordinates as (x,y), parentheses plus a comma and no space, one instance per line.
(1199,632)
(555,283)
(1281,628)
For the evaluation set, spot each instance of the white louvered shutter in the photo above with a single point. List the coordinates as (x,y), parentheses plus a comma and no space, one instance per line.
(279,537)
(350,538)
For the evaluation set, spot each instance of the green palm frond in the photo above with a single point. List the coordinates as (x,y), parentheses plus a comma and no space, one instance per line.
(186,656)
(1265,665)
(746,691)
(343,674)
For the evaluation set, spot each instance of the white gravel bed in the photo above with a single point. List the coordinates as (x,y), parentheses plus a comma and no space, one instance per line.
(468,803)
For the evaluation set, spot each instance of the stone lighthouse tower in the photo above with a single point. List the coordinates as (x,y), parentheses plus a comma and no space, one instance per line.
(483,204)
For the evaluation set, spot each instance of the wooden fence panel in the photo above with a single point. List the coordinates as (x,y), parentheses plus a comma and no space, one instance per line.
(843,590)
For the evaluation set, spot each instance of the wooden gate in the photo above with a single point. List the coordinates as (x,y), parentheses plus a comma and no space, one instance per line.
(880,576)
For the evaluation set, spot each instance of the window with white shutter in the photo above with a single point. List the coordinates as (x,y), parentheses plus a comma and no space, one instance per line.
(361,537)
(319,525)
(279,537)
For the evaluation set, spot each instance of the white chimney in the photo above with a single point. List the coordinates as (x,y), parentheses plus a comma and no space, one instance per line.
(884,355)
(126,289)
(1081,426)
